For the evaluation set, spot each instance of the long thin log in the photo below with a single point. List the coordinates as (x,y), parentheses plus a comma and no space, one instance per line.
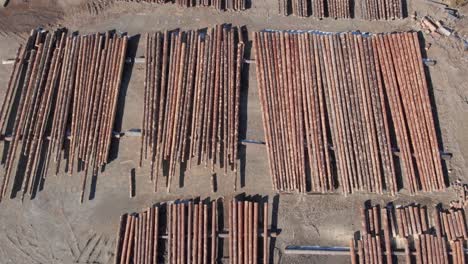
(240,232)
(214,231)
(205,233)
(265,233)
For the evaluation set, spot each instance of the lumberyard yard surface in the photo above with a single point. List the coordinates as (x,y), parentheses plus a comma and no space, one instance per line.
(55,228)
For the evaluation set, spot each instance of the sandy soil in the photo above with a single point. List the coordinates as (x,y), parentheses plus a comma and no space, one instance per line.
(55,228)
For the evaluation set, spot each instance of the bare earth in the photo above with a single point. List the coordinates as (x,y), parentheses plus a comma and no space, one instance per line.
(55,228)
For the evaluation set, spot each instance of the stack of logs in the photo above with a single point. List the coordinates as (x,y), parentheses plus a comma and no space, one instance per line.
(409,226)
(287,109)
(351,91)
(61,84)
(316,8)
(244,232)
(218,4)
(192,233)
(138,236)
(192,92)
(411,219)
(382,9)
(452,224)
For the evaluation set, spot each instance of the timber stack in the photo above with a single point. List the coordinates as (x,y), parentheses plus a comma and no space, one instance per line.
(316,8)
(221,5)
(423,239)
(188,231)
(192,94)
(357,93)
(61,97)
(382,9)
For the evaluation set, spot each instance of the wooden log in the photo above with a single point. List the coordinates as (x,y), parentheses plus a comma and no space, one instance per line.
(131,242)
(156,236)
(265,233)
(387,239)
(235,235)
(352,251)
(214,232)
(241,237)
(255,233)
(127,239)
(190,230)
(205,233)
(196,227)
(201,231)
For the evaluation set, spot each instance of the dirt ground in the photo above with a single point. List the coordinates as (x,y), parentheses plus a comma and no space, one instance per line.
(55,228)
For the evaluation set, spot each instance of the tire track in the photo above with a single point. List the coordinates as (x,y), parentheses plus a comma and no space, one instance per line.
(92,7)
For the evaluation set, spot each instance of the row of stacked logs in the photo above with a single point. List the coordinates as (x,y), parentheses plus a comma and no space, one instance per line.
(370,9)
(451,223)
(244,232)
(293,113)
(222,5)
(316,8)
(192,93)
(411,219)
(409,227)
(62,84)
(192,233)
(138,236)
(382,9)
(353,92)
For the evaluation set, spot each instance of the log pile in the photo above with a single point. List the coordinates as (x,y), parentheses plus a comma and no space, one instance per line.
(286,111)
(461,190)
(245,230)
(411,219)
(199,241)
(402,68)
(189,232)
(353,92)
(138,236)
(61,84)
(316,8)
(452,224)
(222,5)
(382,9)
(192,93)
(383,230)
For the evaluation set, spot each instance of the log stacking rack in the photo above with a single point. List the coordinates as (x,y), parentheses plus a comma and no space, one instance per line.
(222,5)
(362,94)
(410,227)
(382,9)
(317,8)
(192,93)
(344,9)
(61,82)
(401,234)
(188,231)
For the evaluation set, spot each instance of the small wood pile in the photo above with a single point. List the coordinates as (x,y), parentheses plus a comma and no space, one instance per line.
(61,98)
(423,239)
(189,231)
